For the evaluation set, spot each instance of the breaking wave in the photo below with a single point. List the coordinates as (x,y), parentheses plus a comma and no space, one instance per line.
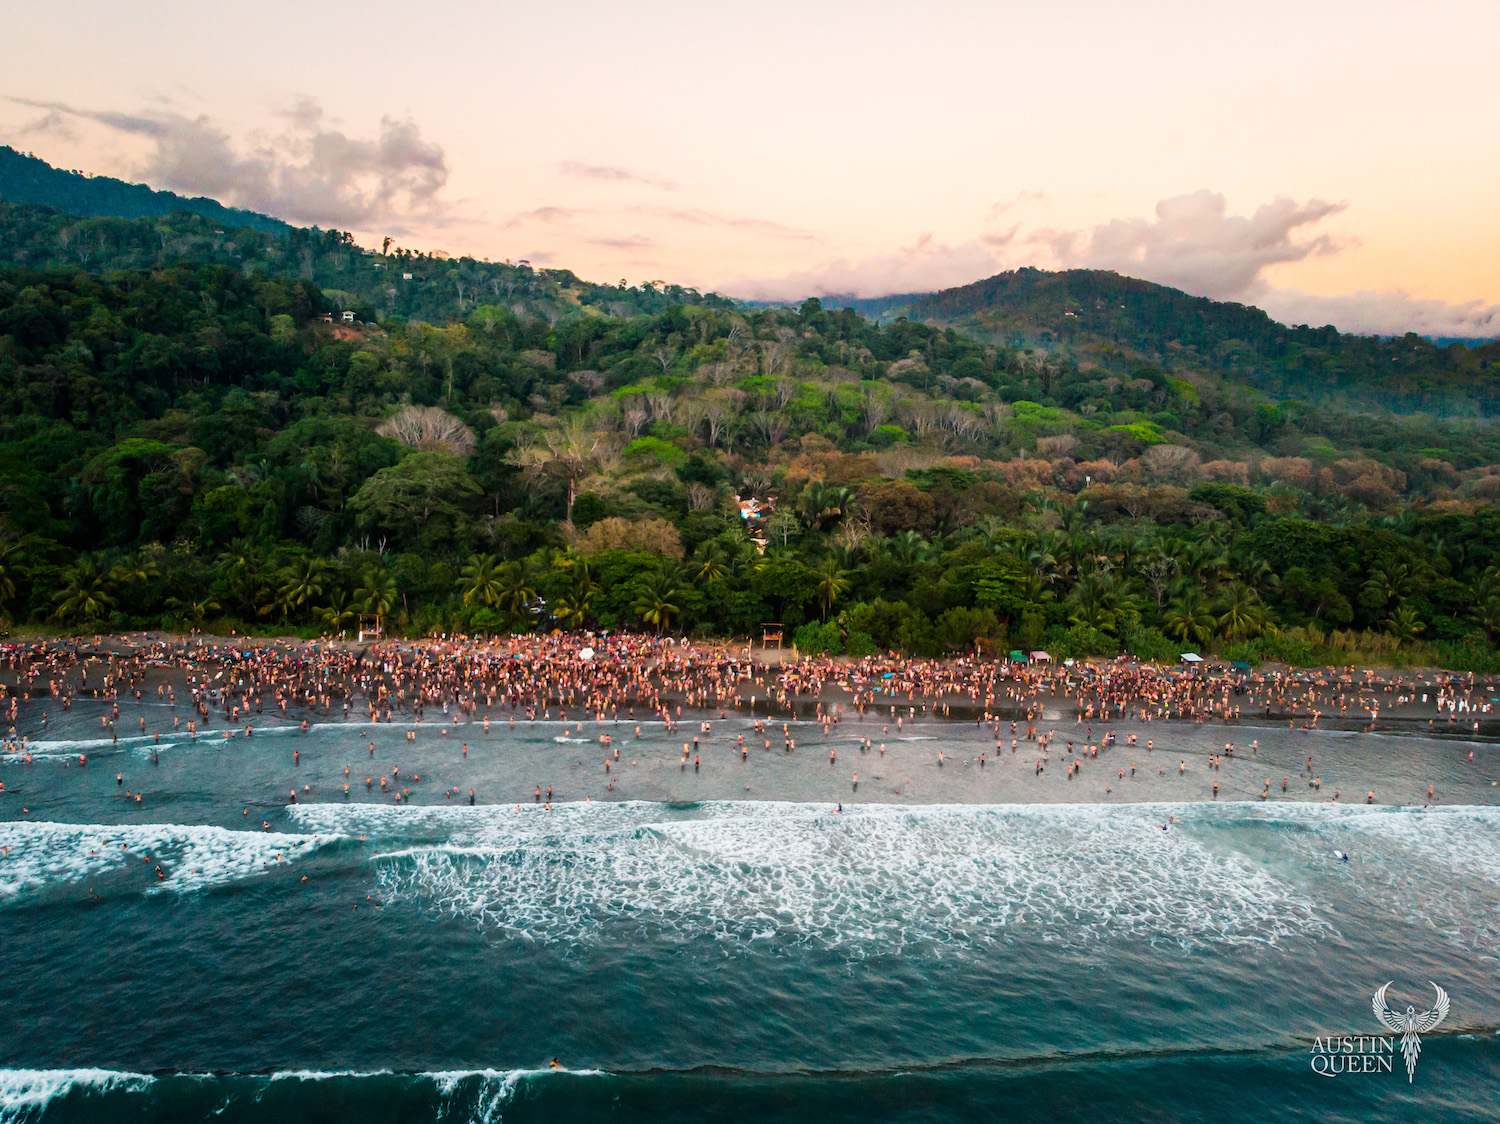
(36,857)
(872,879)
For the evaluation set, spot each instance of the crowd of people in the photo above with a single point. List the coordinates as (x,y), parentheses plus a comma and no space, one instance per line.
(229,685)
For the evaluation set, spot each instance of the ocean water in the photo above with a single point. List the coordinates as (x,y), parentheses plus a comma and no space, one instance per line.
(753,939)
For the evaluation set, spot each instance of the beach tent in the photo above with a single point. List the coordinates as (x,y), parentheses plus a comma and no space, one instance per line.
(1191,657)
(1041,657)
(1017,656)
(1242,665)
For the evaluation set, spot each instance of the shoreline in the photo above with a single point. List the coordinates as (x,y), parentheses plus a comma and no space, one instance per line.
(1046,694)
(733,648)
(705,723)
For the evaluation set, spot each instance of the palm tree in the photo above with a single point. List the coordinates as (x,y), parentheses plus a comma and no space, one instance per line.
(907,547)
(1487,613)
(304,583)
(1088,600)
(191,614)
(1389,581)
(832,584)
(516,591)
(1404,624)
(1206,563)
(7,583)
(338,613)
(134,568)
(377,596)
(709,563)
(1262,577)
(747,560)
(659,599)
(480,580)
(1100,600)
(1239,619)
(573,608)
(820,503)
(1189,618)
(245,565)
(1042,561)
(87,596)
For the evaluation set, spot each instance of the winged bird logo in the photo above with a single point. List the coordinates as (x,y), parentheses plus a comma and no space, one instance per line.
(1410,1025)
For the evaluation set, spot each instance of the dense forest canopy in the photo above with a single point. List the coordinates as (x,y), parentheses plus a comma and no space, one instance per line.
(191,435)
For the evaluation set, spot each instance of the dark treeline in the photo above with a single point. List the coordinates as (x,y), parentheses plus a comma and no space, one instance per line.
(189,441)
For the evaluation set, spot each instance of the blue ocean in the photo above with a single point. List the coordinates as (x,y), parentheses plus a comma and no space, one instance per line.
(757,938)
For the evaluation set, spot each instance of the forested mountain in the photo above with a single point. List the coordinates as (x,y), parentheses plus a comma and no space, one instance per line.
(397,282)
(1104,318)
(185,440)
(27,179)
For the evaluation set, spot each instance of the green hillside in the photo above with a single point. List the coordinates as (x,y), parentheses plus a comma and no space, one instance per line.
(27,179)
(1114,321)
(186,441)
(399,282)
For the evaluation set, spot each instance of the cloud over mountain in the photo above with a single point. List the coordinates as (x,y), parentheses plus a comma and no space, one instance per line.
(1191,243)
(1194,244)
(925,265)
(307,172)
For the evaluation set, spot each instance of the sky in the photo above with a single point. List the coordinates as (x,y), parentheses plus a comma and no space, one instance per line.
(1329,162)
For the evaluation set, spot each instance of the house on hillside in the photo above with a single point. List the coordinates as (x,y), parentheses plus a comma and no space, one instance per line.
(754,512)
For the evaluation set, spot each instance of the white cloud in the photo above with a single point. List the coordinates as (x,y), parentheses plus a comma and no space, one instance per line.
(921,267)
(608,173)
(309,173)
(1194,244)
(1383,313)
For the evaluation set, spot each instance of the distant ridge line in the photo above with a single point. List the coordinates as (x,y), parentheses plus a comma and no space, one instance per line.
(31,180)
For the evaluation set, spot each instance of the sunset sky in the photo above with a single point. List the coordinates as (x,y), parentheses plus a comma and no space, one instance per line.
(1330,162)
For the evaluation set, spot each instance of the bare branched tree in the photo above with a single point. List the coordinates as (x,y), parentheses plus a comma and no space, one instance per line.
(775,353)
(874,409)
(427,427)
(770,425)
(660,404)
(719,409)
(918,416)
(568,451)
(636,415)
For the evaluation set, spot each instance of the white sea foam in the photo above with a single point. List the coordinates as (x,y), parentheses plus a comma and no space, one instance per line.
(72,746)
(325,1074)
(480,1095)
(38,856)
(494,1088)
(874,878)
(1438,867)
(26,1093)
